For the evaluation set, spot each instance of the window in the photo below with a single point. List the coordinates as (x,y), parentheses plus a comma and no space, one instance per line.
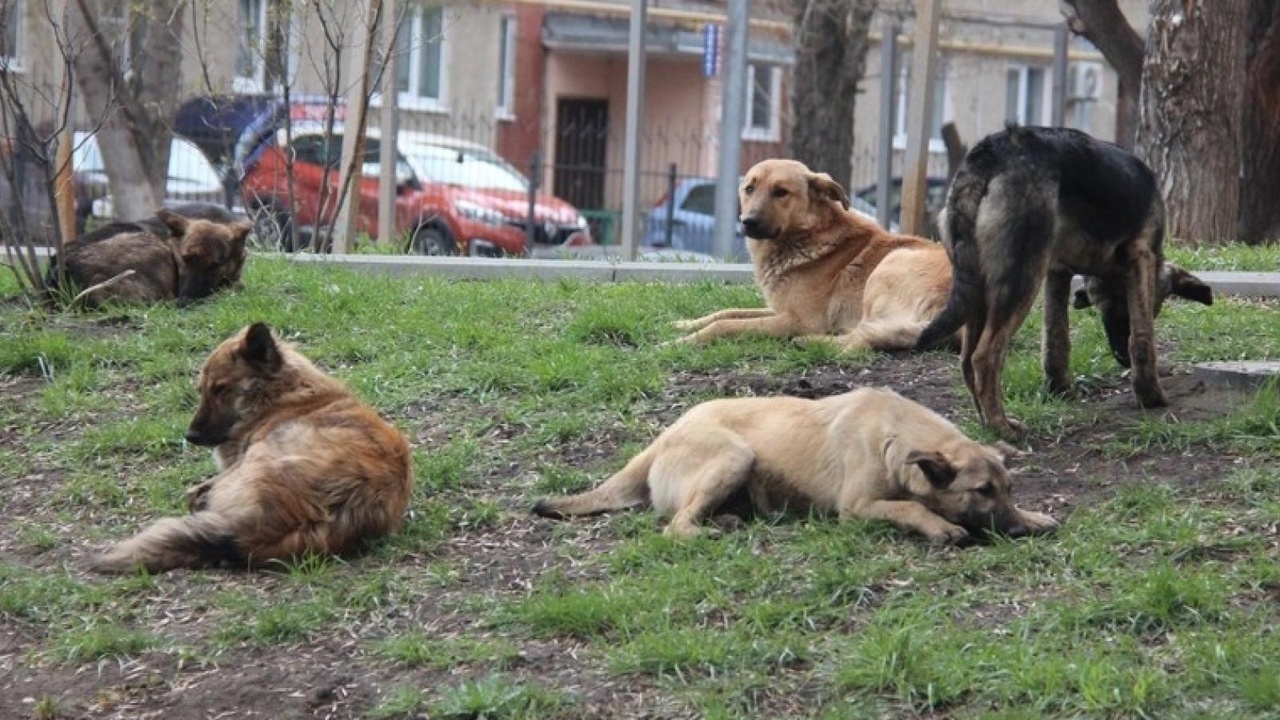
(250,65)
(12,15)
(267,45)
(701,199)
(1025,98)
(506,66)
(421,47)
(763,103)
(939,113)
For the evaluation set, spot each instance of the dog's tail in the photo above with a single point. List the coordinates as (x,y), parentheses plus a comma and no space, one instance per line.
(627,488)
(959,230)
(201,539)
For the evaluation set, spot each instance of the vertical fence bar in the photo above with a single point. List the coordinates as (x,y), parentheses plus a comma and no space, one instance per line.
(671,202)
(530,217)
(888,120)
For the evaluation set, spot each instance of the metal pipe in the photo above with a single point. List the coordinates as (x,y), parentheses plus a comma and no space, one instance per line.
(733,110)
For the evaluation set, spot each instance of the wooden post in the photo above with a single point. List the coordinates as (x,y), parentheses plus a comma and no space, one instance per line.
(919,110)
(65,194)
(353,129)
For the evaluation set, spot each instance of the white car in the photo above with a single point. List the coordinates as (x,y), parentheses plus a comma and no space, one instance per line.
(192,178)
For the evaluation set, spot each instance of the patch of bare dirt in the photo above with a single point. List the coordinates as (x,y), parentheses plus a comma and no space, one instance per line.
(337,675)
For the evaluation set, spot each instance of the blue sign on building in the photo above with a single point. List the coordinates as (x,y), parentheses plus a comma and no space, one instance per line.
(710,50)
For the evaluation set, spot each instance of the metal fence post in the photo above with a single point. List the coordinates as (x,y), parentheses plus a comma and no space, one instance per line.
(671,201)
(530,216)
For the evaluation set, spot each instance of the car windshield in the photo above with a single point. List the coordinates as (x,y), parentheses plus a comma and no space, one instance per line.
(326,150)
(468,168)
(186,162)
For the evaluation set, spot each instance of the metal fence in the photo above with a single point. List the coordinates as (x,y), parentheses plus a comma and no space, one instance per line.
(579,162)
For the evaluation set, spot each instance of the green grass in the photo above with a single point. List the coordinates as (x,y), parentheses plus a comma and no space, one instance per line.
(1156,598)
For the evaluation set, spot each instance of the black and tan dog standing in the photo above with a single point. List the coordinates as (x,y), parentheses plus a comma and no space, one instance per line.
(827,274)
(304,467)
(869,453)
(1031,205)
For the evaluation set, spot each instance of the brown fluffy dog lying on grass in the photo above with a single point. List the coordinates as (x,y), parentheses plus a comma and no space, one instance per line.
(305,467)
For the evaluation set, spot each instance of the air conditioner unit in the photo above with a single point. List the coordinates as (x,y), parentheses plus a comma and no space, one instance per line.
(1085,81)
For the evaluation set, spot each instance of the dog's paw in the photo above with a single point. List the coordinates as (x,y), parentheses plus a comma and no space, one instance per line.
(728,521)
(1010,429)
(948,534)
(197,496)
(686,325)
(1037,523)
(683,340)
(687,530)
(805,340)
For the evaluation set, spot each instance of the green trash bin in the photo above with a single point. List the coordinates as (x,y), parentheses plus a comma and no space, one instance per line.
(603,225)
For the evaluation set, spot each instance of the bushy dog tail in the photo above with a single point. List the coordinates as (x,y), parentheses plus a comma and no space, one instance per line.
(198,540)
(627,488)
(958,225)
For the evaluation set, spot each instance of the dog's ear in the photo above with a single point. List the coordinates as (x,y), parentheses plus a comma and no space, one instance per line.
(1081,300)
(821,185)
(934,465)
(1185,285)
(176,223)
(260,349)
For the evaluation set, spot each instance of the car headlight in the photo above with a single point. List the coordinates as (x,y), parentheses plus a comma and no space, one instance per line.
(581,222)
(479,213)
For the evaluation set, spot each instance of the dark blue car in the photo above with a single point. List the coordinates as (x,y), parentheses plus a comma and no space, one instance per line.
(692,212)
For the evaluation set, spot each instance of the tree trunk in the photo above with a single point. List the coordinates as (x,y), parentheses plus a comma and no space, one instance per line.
(1190,127)
(135,110)
(1102,23)
(831,58)
(1260,186)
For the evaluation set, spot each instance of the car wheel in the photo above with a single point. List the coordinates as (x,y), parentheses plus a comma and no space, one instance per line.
(272,229)
(433,240)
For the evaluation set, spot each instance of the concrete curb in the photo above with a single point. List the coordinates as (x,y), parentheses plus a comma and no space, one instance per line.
(1238,284)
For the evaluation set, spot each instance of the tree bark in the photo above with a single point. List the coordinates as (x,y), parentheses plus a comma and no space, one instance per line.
(831,59)
(1102,23)
(1191,114)
(1260,185)
(134,109)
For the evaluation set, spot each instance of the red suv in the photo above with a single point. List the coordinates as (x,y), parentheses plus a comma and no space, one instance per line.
(438,217)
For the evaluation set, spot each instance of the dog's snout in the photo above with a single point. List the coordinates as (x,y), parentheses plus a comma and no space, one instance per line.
(752,226)
(1017,530)
(197,436)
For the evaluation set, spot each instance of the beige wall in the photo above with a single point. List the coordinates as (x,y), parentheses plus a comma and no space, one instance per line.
(979,42)
(674,128)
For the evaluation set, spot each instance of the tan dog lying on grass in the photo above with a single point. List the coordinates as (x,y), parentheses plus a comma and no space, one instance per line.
(305,467)
(869,453)
(827,274)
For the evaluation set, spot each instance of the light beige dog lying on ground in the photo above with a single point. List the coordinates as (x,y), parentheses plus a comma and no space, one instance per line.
(869,453)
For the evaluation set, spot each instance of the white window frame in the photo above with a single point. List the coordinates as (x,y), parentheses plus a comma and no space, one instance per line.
(14,62)
(506,109)
(1024,73)
(770,133)
(943,113)
(253,82)
(410,100)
